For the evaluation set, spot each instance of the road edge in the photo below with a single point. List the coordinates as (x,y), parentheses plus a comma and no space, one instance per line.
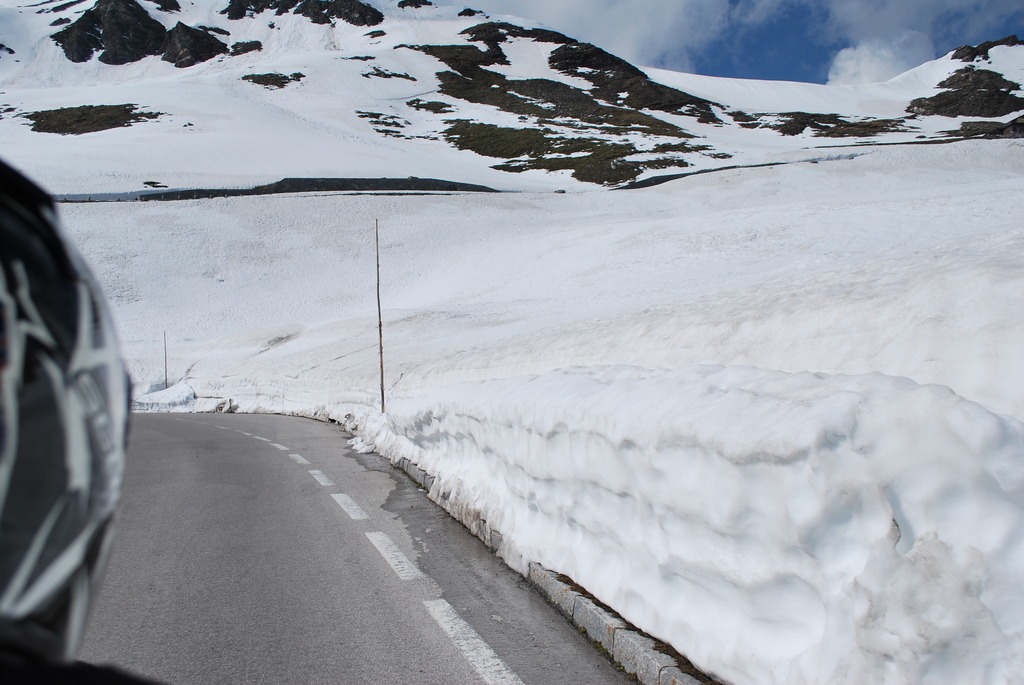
(650,661)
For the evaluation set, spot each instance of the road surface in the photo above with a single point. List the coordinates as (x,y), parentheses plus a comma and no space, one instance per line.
(262,549)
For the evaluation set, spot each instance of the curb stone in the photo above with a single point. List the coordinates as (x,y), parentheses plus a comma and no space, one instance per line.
(636,653)
(601,626)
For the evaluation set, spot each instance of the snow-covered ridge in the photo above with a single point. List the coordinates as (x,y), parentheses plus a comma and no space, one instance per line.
(350,89)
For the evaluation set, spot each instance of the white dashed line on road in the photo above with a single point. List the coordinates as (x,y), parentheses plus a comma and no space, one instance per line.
(322,479)
(405,569)
(354,511)
(280,447)
(299,460)
(478,653)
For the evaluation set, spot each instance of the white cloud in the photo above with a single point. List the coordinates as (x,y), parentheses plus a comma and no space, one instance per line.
(879,38)
(860,20)
(649,32)
(876,60)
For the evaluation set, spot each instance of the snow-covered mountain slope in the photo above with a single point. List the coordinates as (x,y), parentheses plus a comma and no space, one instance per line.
(249,93)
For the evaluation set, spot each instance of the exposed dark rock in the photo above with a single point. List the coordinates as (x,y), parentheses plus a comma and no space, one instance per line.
(465,60)
(318,11)
(978,79)
(566,102)
(87,118)
(795,123)
(352,11)
(414,4)
(619,82)
(187,46)
(572,128)
(971,53)
(590,160)
(82,39)
(989,129)
(167,5)
(493,34)
(245,46)
(823,125)
(273,80)
(122,29)
(971,92)
(4,48)
(542,98)
(214,29)
(60,22)
(485,91)
(470,13)
(742,117)
(385,124)
(430,106)
(237,9)
(60,8)
(376,34)
(384,73)
(864,128)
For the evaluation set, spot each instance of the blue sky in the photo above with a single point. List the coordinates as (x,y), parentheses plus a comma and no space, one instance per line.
(822,41)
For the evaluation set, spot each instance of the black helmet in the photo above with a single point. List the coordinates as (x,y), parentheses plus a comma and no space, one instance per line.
(63,415)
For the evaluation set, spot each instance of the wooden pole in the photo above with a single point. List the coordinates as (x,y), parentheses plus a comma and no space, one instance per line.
(380,316)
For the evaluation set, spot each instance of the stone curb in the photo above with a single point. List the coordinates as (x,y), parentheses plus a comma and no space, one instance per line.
(633,651)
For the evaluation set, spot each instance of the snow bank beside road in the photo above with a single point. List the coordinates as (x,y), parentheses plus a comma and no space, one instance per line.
(777,527)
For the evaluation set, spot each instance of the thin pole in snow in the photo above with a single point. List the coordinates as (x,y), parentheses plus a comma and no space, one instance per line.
(165,360)
(380,316)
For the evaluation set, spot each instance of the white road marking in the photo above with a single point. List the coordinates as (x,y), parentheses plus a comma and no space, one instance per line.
(299,460)
(223,428)
(351,508)
(322,479)
(280,447)
(405,569)
(263,439)
(478,653)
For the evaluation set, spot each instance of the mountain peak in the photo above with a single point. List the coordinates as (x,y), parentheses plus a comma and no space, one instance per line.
(973,53)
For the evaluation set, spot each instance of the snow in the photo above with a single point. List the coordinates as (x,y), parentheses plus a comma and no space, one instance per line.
(773,416)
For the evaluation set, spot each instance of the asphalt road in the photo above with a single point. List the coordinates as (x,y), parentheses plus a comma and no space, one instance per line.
(261,549)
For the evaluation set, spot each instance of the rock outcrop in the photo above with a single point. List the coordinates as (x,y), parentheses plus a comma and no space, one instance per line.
(972,53)
(318,11)
(187,46)
(971,92)
(120,30)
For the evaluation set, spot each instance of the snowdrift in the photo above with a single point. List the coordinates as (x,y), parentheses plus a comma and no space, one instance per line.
(825,528)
